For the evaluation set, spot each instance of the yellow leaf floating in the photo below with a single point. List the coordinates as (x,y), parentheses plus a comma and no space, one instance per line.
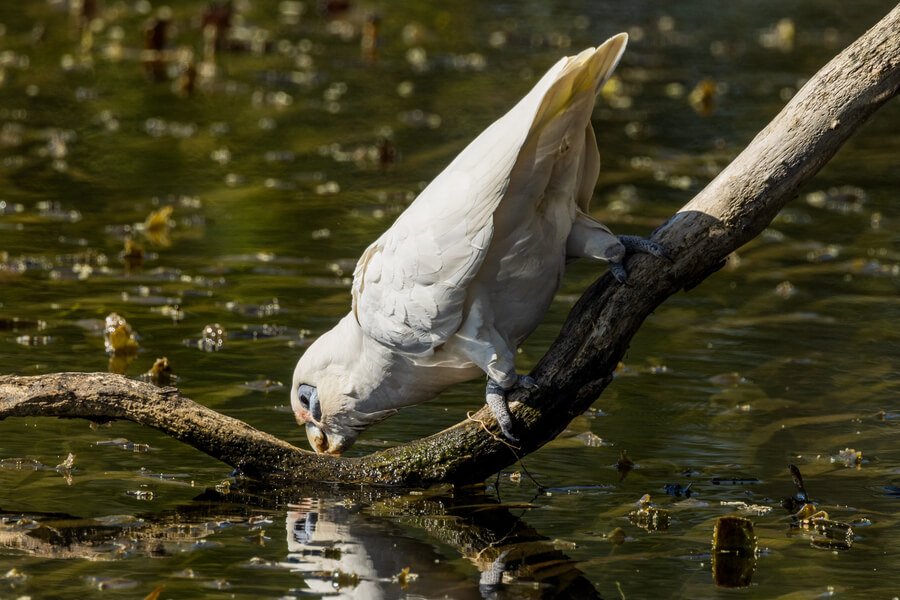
(119,337)
(703,97)
(158,220)
(156,226)
(121,340)
(161,372)
(404,577)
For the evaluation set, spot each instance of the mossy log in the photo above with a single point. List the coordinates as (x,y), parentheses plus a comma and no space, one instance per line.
(735,207)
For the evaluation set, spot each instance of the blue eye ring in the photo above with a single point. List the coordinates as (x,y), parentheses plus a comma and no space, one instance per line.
(309,400)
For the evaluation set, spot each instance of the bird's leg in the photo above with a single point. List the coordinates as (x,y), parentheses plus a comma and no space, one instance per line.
(502,378)
(492,577)
(495,398)
(489,349)
(481,343)
(591,239)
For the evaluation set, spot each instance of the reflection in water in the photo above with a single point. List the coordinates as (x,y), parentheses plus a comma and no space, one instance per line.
(339,547)
(331,558)
(345,549)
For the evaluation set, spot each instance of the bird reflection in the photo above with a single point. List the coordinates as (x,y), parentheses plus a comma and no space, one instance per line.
(332,560)
(359,552)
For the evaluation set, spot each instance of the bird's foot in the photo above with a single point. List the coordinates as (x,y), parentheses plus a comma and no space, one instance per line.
(495,398)
(633,244)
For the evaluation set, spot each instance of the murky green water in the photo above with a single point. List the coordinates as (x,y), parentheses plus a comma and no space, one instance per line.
(278,177)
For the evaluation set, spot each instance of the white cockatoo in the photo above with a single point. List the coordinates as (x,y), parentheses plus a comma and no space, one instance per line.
(468,271)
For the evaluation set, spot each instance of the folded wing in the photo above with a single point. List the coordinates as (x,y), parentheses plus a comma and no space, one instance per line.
(410,285)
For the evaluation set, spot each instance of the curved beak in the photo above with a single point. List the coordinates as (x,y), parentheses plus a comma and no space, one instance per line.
(326,444)
(316,438)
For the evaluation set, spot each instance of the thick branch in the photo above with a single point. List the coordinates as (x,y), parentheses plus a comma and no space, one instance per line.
(731,210)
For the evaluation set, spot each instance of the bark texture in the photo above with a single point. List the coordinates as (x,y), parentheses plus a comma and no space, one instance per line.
(735,207)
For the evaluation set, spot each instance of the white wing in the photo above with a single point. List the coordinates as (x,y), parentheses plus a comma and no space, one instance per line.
(409,286)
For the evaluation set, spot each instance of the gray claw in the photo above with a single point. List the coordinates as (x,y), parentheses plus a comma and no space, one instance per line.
(618,271)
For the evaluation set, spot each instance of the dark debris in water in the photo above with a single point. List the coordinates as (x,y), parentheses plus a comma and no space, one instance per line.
(624,465)
(892,491)
(648,517)
(800,496)
(17,324)
(124,444)
(678,490)
(735,481)
(807,518)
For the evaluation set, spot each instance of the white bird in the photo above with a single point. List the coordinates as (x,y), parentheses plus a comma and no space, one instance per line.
(469,269)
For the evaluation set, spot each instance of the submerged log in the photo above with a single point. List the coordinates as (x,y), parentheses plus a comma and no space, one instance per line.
(735,207)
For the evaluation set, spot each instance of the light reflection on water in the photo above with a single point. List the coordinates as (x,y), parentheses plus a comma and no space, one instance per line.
(278,175)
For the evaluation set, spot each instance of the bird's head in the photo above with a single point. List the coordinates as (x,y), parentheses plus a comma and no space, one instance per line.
(330,393)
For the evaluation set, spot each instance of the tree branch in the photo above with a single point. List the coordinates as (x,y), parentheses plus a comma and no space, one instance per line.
(735,207)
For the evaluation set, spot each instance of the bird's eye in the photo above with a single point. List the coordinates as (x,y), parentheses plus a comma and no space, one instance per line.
(309,399)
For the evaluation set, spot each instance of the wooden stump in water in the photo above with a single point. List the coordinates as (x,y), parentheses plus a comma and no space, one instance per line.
(733,552)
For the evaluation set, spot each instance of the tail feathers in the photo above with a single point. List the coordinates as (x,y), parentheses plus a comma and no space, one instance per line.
(585,72)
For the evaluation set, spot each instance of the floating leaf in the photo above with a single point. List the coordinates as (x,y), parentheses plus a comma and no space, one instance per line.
(68,464)
(404,577)
(702,97)
(161,372)
(848,457)
(119,339)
